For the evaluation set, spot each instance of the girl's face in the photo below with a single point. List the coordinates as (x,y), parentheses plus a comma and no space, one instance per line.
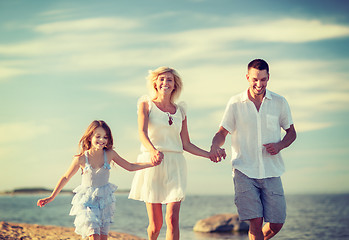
(99,139)
(165,83)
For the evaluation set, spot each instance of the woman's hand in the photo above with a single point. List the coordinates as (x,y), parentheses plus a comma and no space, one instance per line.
(156,157)
(217,153)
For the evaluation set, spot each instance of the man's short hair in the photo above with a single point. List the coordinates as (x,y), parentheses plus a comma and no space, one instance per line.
(259,64)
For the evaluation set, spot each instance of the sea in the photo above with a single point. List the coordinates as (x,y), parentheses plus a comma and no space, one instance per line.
(320,216)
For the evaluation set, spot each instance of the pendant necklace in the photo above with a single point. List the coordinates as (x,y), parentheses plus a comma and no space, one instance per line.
(170,119)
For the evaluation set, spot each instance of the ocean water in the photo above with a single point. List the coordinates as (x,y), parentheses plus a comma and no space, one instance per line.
(320,217)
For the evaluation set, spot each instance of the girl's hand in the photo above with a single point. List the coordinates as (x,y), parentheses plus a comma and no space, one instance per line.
(44,201)
(157,157)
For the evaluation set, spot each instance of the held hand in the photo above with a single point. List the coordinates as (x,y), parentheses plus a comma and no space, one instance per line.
(217,153)
(160,158)
(157,157)
(272,148)
(44,201)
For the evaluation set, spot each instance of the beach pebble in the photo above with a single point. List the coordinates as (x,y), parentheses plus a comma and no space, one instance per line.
(227,222)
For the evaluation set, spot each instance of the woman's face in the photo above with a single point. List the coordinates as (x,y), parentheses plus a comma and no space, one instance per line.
(165,83)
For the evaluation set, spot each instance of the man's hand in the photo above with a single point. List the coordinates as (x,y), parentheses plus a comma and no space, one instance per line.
(272,148)
(217,153)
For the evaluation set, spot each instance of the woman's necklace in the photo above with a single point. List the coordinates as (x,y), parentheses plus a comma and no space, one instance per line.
(163,108)
(170,118)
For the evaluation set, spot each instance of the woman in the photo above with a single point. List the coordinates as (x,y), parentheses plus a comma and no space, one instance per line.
(163,131)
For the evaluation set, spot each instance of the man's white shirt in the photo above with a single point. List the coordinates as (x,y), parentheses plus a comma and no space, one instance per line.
(250,129)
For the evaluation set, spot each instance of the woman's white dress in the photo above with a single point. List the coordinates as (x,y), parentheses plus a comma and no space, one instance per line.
(166,182)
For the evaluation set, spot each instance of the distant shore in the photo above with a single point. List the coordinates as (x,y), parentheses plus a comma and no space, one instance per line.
(31,191)
(12,231)
(44,191)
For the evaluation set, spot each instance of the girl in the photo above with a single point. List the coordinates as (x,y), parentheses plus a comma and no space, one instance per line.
(163,131)
(93,203)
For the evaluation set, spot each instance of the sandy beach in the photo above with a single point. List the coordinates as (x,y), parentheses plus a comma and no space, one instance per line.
(23,231)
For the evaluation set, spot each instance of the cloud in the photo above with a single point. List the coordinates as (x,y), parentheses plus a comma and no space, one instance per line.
(14,68)
(305,126)
(216,82)
(94,44)
(127,88)
(64,45)
(299,30)
(89,24)
(281,30)
(8,72)
(58,13)
(212,85)
(21,131)
(103,35)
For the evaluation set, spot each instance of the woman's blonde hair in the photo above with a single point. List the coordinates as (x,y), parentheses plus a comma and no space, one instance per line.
(153,75)
(85,141)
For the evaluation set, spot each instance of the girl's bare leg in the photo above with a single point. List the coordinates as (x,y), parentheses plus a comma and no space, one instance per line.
(104,237)
(94,237)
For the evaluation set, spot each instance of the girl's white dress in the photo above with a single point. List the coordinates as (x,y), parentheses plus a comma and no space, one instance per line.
(94,201)
(166,182)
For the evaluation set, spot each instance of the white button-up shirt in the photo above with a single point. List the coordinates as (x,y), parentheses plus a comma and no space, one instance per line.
(250,129)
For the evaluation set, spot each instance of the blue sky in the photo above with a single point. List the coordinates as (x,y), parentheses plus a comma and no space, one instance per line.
(66,63)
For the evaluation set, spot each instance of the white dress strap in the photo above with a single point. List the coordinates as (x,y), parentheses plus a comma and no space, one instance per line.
(87,164)
(183,108)
(86,158)
(106,164)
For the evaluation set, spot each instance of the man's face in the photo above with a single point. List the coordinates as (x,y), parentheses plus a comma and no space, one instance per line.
(258,80)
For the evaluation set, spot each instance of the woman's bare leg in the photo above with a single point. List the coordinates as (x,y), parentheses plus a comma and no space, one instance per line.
(172,220)
(155,220)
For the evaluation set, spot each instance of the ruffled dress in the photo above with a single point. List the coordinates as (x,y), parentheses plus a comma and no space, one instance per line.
(94,202)
(166,182)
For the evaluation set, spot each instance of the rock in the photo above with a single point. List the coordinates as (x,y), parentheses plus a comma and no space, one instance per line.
(221,223)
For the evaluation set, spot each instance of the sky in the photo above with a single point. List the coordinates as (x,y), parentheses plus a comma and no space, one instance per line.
(64,64)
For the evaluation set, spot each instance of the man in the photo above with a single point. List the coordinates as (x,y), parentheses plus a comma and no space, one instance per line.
(254,119)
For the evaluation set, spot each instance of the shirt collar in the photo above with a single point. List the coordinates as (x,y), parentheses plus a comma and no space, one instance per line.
(245,95)
(268,94)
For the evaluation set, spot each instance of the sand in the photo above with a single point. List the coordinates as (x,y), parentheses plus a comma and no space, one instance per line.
(24,231)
